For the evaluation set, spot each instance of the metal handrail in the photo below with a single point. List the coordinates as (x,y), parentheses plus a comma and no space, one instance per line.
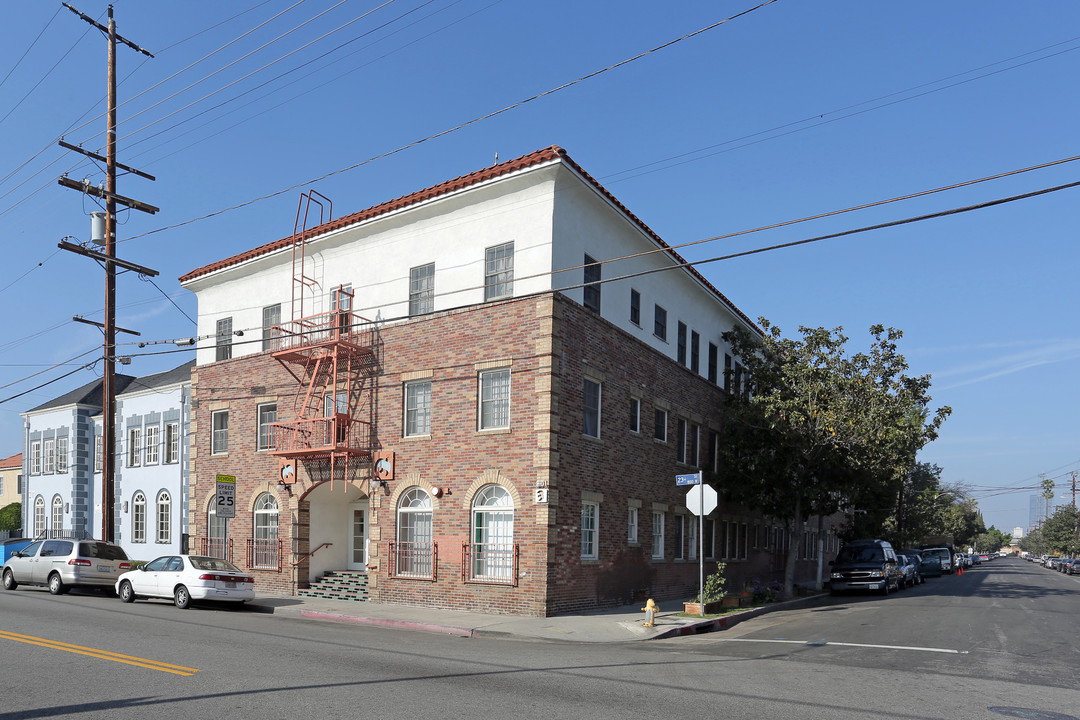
(325,544)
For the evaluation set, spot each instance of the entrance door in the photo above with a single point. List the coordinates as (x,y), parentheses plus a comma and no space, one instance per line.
(358,536)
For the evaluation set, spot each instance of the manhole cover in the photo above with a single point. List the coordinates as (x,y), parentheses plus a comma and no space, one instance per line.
(1029,713)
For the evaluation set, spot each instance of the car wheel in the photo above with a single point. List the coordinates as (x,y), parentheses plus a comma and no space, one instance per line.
(56,585)
(9,581)
(885,587)
(181,597)
(127,593)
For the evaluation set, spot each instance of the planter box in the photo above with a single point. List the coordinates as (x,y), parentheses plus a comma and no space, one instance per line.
(711,608)
(731,601)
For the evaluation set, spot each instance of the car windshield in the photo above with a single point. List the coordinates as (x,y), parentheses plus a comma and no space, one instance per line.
(212,564)
(861,554)
(940,553)
(101,551)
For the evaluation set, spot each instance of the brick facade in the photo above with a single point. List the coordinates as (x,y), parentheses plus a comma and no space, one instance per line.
(550,344)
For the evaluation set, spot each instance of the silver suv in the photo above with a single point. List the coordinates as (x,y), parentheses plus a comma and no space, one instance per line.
(61,564)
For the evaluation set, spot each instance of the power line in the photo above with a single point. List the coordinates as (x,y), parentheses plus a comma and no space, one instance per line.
(460,126)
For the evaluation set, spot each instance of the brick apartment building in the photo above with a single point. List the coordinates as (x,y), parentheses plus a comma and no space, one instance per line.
(476,396)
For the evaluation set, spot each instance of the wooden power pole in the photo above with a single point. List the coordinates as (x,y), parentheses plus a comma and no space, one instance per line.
(109,260)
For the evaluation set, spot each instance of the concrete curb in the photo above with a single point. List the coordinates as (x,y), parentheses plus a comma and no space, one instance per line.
(728,621)
(388,622)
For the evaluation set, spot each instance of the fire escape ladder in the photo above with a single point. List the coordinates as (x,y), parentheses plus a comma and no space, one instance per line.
(332,356)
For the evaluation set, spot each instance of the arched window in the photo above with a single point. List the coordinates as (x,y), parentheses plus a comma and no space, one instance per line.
(39,517)
(138,518)
(164,518)
(414,549)
(57,516)
(493,535)
(265,527)
(217,531)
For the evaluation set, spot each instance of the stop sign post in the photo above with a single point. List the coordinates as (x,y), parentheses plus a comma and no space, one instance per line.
(701,501)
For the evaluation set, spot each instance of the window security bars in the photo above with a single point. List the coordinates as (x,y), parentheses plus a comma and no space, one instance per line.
(414,560)
(264,554)
(490,563)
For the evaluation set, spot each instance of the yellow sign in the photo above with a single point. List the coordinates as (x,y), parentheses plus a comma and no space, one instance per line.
(227,479)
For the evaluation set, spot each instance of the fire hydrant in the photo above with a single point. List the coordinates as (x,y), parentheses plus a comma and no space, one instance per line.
(650,613)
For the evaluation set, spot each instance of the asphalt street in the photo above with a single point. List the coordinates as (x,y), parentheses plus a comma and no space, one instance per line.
(998,640)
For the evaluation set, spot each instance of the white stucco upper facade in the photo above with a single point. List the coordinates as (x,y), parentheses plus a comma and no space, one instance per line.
(552,213)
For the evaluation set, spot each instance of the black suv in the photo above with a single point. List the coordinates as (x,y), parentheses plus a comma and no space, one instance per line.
(865,565)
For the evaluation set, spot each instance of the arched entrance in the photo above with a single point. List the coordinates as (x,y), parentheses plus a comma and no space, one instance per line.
(337,528)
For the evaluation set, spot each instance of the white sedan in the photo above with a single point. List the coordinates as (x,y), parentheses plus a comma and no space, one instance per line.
(187,578)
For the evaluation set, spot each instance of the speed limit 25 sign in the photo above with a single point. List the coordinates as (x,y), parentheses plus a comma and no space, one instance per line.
(225,506)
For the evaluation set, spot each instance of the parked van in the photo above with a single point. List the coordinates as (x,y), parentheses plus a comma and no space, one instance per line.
(865,565)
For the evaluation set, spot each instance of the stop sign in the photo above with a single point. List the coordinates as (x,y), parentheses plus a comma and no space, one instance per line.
(695,499)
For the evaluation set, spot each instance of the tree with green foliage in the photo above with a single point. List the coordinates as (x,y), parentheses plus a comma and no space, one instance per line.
(1060,531)
(1034,543)
(11,517)
(817,429)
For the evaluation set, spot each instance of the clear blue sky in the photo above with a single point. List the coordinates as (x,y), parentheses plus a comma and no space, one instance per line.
(792,110)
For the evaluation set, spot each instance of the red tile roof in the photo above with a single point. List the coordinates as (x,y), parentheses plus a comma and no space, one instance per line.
(13,461)
(533,159)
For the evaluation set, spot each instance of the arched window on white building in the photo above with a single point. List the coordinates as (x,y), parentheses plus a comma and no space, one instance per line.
(164,518)
(138,518)
(39,517)
(57,516)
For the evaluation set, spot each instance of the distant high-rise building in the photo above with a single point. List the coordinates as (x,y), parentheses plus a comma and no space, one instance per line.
(1018,534)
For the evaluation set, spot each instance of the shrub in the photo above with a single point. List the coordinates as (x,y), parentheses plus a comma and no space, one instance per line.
(714,585)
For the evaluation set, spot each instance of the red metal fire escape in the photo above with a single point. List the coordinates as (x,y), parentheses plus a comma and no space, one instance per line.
(332,356)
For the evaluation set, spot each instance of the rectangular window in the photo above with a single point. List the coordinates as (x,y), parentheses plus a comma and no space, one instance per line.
(499,271)
(740,379)
(153,444)
(693,443)
(267,415)
(592,284)
(495,399)
(61,455)
(49,457)
(635,307)
(680,346)
(695,351)
(709,539)
(680,440)
(635,415)
(172,442)
(224,336)
(219,433)
(590,516)
(134,447)
(35,457)
(680,533)
(422,290)
(714,370)
(742,541)
(99,456)
(727,372)
(714,451)
(591,424)
(658,535)
(660,322)
(271,316)
(418,408)
(691,538)
(631,525)
(660,425)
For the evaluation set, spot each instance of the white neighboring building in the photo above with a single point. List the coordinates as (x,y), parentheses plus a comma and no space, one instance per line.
(63,459)
(1017,534)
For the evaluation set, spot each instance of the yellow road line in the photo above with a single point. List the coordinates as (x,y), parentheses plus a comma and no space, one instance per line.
(103,654)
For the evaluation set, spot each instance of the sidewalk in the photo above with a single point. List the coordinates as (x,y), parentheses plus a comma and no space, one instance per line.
(621,624)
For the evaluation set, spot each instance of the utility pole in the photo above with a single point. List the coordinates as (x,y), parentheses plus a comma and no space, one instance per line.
(108,258)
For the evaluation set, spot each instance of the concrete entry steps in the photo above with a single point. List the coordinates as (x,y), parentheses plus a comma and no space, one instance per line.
(339,585)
